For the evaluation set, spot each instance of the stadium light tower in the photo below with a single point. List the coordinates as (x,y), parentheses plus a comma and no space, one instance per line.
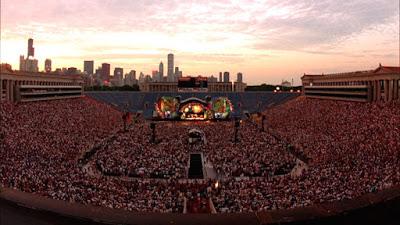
(153,132)
(262,123)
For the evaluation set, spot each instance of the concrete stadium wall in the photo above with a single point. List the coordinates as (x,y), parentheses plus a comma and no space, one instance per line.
(20,208)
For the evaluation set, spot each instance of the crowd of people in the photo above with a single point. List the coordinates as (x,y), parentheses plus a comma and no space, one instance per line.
(353,148)
(41,143)
(255,154)
(133,154)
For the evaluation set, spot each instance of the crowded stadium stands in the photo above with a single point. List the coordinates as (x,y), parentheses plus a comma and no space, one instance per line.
(351,149)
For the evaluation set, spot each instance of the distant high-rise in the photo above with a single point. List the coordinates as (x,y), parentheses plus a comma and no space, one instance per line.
(88,66)
(118,76)
(47,65)
(130,78)
(22,63)
(212,79)
(141,77)
(170,72)
(31,49)
(220,77)
(176,73)
(160,71)
(133,73)
(29,63)
(105,72)
(240,77)
(226,77)
(154,75)
(118,71)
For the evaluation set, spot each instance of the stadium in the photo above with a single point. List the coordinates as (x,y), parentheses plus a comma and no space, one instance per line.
(201,158)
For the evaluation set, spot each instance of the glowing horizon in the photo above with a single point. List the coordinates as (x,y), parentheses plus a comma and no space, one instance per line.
(268,41)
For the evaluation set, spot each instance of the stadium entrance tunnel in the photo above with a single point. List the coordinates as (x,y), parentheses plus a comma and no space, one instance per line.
(196,167)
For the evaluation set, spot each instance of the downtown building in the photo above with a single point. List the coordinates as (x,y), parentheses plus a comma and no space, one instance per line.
(118,79)
(170,69)
(212,86)
(88,67)
(29,64)
(105,73)
(130,78)
(47,65)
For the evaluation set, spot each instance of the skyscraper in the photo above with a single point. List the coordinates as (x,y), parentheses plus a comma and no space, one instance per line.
(130,79)
(47,65)
(226,77)
(133,73)
(29,64)
(118,76)
(170,72)
(31,49)
(161,70)
(176,73)
(160,74)
(105,72)
(22,63)
(88,66)
(220,77)
(141,77)
(118,71)
(240,77)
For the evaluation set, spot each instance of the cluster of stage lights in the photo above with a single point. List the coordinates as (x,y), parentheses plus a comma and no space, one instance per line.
(195,109)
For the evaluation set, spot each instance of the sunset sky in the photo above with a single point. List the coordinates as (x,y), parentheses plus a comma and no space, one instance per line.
(266,40)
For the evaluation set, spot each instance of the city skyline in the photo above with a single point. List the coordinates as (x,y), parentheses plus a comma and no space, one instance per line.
(268,41)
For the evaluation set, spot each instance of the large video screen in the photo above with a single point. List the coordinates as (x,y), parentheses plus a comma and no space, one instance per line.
(167,107)
(192,82)
(222,108)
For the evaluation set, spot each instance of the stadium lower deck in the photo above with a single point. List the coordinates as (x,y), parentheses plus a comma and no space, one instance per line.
(311,151)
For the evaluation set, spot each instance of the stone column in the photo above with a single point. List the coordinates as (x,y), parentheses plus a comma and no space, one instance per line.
(369,92)
(4,89)
(12,90)
(396,89)
(372,85)
(8,87)
(385,90)
(379,90)
(390,97)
